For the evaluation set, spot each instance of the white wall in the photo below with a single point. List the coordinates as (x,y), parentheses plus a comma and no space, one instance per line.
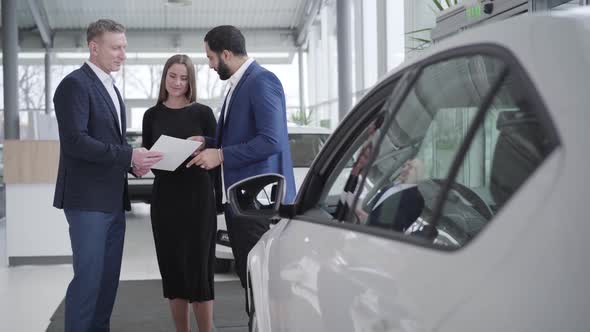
(418,15)
(34,228)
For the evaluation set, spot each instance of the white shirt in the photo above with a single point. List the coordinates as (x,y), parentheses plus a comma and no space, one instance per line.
(109,83)
(233,82)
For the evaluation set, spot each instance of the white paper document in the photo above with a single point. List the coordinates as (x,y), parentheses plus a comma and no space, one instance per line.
(175,151)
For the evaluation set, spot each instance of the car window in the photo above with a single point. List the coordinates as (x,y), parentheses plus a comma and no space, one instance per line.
(399,191)
(341,185)
(305,147)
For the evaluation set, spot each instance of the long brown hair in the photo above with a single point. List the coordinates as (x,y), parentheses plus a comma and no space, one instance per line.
(191,93)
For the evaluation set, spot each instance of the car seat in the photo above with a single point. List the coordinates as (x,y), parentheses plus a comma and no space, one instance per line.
(520,148)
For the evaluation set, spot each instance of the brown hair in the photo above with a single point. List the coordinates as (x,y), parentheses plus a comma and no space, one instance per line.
(96,29)
(191,93)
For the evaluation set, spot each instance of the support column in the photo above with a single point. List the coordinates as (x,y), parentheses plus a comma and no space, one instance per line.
(302,104)
(359,49)
(344,35)
(381,38)
(48,102)
(10,66)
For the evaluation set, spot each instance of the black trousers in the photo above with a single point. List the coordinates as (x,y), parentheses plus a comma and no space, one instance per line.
(243,234)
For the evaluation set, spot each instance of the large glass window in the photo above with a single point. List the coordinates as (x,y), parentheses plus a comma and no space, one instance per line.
(141,81)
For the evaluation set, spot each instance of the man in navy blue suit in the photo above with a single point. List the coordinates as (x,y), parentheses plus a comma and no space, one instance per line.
(252,136)
(91,184)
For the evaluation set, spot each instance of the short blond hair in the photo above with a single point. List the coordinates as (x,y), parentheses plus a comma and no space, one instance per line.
(98,28)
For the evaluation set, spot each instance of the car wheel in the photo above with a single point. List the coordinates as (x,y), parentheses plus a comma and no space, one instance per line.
(222,265)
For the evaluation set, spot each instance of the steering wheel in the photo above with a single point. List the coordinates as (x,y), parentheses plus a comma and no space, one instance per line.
(478,203)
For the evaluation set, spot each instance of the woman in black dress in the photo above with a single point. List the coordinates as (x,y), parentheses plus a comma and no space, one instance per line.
(183,208)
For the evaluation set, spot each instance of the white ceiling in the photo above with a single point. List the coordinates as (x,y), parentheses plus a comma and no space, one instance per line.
(275,22)
(156,14)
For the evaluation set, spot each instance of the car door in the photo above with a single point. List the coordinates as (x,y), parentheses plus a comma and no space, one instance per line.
(388,228)
(278,308)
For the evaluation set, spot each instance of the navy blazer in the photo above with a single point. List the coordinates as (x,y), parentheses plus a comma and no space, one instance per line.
(94,155)
(254,135)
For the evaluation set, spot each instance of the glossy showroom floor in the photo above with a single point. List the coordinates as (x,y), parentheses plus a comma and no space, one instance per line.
(30,294)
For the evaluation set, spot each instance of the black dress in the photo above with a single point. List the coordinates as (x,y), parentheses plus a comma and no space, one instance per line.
(183,207)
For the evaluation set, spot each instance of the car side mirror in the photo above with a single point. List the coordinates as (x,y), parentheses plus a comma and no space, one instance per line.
(258,196)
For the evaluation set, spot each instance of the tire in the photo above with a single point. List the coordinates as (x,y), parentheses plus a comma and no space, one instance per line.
(222,265)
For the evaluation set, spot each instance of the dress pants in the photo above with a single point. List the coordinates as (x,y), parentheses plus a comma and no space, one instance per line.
(97,247)
(243,234)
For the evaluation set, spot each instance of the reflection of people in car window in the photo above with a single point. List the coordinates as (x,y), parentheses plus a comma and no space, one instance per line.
(398,206)
(364,155)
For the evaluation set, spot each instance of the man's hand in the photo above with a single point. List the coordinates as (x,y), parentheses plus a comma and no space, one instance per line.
(207,159)
(144,159)
(198,139)
(140,171)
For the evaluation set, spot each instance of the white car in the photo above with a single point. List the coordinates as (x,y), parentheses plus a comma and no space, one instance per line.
(305,143)
(452,198)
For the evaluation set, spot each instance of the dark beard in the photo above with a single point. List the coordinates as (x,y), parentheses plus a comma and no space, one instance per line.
(223,70)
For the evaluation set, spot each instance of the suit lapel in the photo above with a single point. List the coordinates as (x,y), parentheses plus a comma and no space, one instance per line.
(220,122)
(104,93)
(237,89)
(123,112)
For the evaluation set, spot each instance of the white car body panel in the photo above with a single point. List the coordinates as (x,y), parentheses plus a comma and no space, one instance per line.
(367,282)
(526,271)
